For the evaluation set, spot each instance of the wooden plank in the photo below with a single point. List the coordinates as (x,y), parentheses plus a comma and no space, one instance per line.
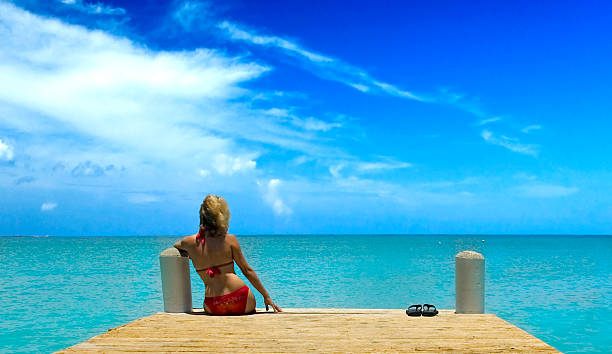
(316,330)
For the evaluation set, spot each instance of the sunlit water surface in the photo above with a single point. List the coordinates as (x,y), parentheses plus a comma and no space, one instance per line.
(58,291)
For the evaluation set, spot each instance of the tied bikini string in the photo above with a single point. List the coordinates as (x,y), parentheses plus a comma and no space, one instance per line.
(200,236)
(212,271)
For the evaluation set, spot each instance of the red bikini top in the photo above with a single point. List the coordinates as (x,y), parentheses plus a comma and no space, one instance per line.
(212,271)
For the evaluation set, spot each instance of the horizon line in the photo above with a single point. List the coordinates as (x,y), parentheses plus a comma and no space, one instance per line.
(332,234)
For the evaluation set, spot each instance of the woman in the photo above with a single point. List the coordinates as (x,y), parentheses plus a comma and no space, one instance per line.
(213,252)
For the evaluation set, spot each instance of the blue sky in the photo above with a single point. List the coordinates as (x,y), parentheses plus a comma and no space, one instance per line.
(117,117)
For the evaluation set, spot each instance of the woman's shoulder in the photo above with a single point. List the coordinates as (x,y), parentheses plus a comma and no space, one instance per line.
(231,238)
(189,240)
(186,243)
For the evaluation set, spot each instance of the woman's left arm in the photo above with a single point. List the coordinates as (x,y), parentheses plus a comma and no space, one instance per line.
(250,274)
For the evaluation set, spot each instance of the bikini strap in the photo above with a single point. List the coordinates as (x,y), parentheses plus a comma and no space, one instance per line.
(224,264)
(216,266)
(200,238)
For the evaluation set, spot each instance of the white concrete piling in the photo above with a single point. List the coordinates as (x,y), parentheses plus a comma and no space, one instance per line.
(176,281)
(469,282)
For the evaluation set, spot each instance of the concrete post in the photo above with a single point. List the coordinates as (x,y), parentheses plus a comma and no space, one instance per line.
(176,281)
(469,282)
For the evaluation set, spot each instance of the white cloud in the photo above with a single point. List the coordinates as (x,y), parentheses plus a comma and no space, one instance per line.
(228,165)
(394,91)
(528,129)
(321,65)
(278,112)
(334,170)
(272,198)
(193,13)
(547,190)
(334,69)
(204,173)
(311,123)
(512,144)
(380,166)
(272,41)
(366,166)
(300,160)
(48,206)
(112,89)
(488,121)
(397,194)
(124,104)
(6,151)
(360,87)
(448,184)
(94,9)
(142,198)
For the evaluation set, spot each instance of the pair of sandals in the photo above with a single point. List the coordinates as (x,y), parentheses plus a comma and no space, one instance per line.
(426,310)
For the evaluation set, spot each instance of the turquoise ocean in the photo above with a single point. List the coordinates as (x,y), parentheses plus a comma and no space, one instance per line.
(58,291)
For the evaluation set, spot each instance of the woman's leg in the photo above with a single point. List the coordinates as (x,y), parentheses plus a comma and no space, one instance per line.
(250,305)
(206,309)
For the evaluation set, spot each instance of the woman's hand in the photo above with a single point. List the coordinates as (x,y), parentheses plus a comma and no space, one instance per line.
(268,301)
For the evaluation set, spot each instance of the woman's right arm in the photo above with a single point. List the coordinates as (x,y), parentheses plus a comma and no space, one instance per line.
(250,274)
(184,245)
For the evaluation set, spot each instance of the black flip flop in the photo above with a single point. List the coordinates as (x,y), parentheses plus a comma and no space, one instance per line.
(429,310)
(414,310)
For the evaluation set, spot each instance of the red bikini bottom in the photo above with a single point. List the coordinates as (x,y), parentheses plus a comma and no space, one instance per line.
(233,303)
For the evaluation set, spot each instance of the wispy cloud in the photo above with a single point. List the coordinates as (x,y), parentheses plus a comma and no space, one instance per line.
(122,104)
(271,195)
(228,165)
(335,169)
(512,144)
(6,151)
(87,106)
(334,69)
(308,123)
(488,121)
(468,181)
(394,193)
(312,123)
(361,167)
(238,33)
(300,160)
(48,206)
(547,190)
(143,198)
(93,8)
(381,166)
(528,129)
(324,66)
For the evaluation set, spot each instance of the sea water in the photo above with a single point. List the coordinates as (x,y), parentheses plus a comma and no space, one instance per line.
(58,291)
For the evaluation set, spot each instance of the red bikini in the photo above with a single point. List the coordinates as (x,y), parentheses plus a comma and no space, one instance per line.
(233,303)
(212,271)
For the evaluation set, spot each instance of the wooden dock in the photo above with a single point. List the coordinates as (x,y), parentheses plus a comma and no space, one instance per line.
(316,330)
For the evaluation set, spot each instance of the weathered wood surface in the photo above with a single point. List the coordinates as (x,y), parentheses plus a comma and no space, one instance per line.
(316,330)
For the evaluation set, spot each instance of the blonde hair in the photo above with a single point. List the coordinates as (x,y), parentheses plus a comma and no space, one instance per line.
(215,215)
